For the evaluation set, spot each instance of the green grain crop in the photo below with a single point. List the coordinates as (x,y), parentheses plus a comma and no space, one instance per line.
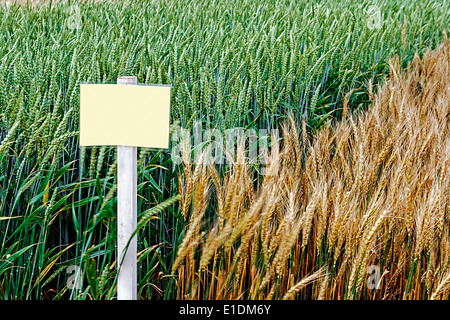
(231,63)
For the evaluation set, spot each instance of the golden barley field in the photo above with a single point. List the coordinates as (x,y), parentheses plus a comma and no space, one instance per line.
(369,194)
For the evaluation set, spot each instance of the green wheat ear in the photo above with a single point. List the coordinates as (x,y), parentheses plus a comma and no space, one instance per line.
(151,213)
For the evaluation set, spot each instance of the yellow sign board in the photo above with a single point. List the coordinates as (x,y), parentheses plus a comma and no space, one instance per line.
(127,115)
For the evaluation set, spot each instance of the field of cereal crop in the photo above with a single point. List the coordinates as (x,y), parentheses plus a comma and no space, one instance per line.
(358,92)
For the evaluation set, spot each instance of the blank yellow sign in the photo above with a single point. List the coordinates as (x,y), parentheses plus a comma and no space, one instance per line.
(127,115)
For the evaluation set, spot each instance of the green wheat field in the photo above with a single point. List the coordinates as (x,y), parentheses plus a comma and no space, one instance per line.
(361,177)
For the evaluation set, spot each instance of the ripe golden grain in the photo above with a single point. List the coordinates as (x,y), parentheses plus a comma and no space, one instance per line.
(373,188)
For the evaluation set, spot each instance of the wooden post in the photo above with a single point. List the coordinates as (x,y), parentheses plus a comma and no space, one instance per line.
(127,215)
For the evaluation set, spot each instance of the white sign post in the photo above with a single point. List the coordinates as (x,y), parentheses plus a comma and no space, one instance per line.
(127,215)
(125,115)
